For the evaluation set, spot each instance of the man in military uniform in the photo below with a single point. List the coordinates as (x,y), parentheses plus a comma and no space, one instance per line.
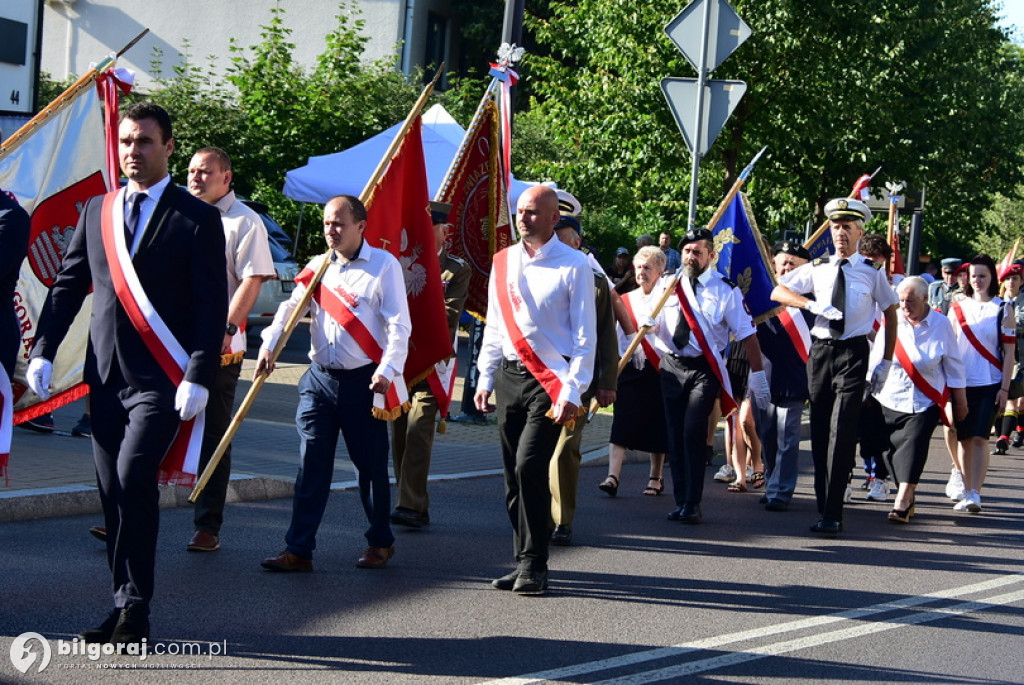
(412,434)
(940,292)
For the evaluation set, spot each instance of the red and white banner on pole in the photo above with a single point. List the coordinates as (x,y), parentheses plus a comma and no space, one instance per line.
(52,171)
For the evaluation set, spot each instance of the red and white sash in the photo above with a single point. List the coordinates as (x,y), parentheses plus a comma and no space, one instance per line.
(796,327)
(395,402)
(6,422)
(545,365)
(180,463)
(986,353)
(907,354)
(653,358)
(695,317)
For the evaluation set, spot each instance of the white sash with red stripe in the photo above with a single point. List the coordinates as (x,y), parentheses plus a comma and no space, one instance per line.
(180,464)
(796,327)
(395,402)
(698,324)
(653,358)
(545,364)
(6,422)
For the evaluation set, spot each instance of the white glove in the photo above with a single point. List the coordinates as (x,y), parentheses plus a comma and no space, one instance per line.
(190,400)
(758,384)
(822,309)
(879,374)
(639,358)
(38,376)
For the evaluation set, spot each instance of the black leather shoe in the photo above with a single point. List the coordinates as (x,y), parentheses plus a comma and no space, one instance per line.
(561,536)
(409,518)
(506,582)
(776,505)
(827,527)
(133,625)
(103,632)
(531,583)
(690,513)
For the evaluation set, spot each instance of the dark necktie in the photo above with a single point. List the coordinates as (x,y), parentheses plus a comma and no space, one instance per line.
(681,336)
(839,300)
(133,217)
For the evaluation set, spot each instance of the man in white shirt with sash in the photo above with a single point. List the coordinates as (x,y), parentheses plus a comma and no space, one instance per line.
(537,357)
(359,335)
(692,336)
(154,257)
(846,289)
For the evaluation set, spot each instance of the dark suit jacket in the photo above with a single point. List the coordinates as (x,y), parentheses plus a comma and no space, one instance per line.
(181,266)
(14,229)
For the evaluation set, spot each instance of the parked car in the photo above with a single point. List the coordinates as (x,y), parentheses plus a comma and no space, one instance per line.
(278,289)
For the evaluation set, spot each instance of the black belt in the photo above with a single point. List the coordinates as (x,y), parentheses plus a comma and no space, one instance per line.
(848,342)
(515,366)
(689,361)
(338,373)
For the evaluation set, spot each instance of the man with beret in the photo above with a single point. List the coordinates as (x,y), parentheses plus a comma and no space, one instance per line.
(784,342)
(846,290)
(939,291)
(412,434)
(692,335)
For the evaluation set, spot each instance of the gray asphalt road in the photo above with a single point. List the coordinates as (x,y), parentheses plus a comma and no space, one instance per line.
(745,597)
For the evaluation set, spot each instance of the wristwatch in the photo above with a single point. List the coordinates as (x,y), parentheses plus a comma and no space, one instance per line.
(231,328)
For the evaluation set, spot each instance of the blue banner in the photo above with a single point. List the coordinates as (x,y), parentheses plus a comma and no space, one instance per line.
(741,259)
(822,247)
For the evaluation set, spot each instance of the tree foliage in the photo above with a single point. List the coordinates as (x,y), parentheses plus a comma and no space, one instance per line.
(928,90)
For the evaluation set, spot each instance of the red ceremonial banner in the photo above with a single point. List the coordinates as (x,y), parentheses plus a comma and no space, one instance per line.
(399,221)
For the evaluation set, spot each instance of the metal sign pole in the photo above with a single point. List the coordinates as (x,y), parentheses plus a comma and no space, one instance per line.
(698,126)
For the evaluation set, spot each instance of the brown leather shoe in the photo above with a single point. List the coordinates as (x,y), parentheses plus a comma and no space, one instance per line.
(286,561)
(376,557)
(203,542)
(99,532)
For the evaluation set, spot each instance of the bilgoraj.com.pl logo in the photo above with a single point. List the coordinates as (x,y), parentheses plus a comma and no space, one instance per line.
(23,656)
(28,648)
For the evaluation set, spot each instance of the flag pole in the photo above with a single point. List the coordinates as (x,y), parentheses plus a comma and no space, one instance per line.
(646,326)
(296,315)
(63,100)
(824,225)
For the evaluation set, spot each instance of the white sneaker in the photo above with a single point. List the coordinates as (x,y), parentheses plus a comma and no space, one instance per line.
(726,474)
(955,486)
(961,505)
(973,500)
(848,495)
(879,491)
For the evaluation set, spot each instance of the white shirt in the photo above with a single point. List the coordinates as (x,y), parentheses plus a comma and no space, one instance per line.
(935,355)
(723,308)
(558,293)
(245,247)
(375,279)
(642,306)
(866,287)
(982,317)
(153,194)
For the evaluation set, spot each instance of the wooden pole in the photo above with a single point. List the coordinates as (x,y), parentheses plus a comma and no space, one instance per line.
(62,100)
(296,315)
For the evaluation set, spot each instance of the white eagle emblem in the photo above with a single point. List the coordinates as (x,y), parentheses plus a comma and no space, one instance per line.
(415,274)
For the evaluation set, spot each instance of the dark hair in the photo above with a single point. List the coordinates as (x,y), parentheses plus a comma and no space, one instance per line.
(875,245)
(355,206)
(148,110)
(993,284)
(222,157)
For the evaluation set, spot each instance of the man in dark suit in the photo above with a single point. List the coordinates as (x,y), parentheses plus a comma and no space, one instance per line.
(14,228)
(174,250)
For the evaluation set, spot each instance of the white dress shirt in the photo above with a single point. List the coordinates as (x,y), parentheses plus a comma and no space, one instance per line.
(723,308)
(153,194)
(935,355)
(558,292)
(374,280)
(866,287)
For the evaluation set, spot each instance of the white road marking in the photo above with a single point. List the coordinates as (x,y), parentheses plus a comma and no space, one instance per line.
(714,643)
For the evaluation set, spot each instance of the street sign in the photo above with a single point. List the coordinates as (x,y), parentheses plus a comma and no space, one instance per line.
(720,99)
(726,32)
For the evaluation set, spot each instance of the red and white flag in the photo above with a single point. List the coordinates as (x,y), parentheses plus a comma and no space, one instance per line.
(399,221)
(52,171)
(475,188)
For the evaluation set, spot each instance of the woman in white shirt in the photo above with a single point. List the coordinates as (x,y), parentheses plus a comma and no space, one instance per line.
(926,362)
(986,333)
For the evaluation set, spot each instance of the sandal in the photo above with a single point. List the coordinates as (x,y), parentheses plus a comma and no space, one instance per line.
(610,487)
(756,479)
(902,515)
(737,486)
(652,490)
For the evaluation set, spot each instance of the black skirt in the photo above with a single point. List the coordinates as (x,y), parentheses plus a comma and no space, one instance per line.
(638,421)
